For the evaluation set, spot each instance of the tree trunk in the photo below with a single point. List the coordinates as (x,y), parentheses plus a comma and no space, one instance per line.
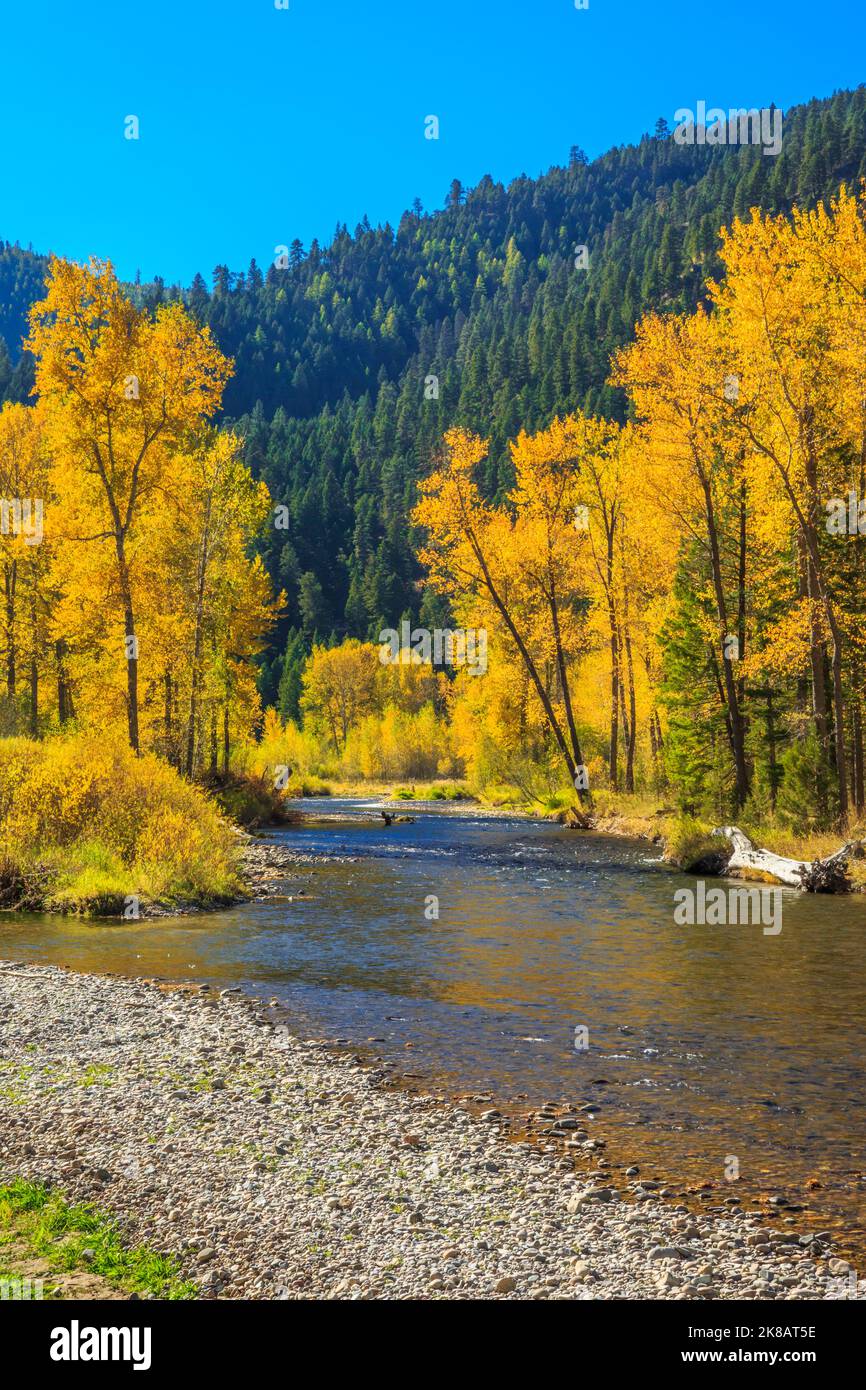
(34,697)
(771,749)
(167,724)
(735,720)
(64,699)
(550,713)
(741,591)
(11,579)
(631,735)
(808,524)
(34,662)
(828,875)
(839,715)
(130,643)
(613,753)
(858,778)
(563,676)
(195,682)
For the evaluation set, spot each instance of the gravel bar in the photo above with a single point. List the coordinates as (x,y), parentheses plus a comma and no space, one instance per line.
(277,1168)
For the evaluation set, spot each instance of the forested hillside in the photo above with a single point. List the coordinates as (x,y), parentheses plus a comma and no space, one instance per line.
(353,359)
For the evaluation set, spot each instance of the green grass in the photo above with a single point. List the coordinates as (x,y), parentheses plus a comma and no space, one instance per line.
(436,791)
(81,1238)
(630,805)
(89,879)
(451,791)
(307,786)
(502,795)
(96,1074)
(689,840)
(557,801)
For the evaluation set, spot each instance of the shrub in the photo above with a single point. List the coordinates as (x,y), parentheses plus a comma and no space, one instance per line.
(102,825)
(689,842)
(250,799)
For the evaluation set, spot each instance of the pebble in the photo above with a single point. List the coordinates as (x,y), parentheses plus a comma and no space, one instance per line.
(271,1167)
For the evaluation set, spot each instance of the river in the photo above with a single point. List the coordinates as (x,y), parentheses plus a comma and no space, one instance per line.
(705,1043)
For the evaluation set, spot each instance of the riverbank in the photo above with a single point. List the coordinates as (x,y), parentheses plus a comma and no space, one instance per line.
(266,870)
(686,843)
(276,1168)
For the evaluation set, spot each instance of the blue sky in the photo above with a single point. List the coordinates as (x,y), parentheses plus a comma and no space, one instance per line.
(259,125)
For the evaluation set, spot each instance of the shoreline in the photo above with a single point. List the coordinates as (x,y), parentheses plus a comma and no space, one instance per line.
(273,1167)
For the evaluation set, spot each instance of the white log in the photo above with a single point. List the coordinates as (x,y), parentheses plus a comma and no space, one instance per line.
(795,873)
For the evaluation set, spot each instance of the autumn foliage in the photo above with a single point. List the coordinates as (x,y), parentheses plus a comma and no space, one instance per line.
(142,605)
(668,607)
(87,825)
(700,569)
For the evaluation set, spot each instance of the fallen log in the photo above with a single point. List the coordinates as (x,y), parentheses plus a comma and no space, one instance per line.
(828,875)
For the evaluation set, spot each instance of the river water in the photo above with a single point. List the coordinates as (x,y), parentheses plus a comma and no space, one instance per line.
(705,1043)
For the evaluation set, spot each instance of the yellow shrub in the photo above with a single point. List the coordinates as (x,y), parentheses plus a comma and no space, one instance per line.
(398,744)
(286,746)
(70,802)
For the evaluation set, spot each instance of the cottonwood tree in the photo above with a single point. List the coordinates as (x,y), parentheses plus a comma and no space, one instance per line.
(120,391)
(522,561)
(678,372)
(793,306)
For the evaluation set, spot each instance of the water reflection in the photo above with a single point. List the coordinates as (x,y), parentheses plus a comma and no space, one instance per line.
(711,1041)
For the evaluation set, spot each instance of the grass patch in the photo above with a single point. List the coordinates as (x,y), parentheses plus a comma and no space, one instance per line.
(307,786)
(87,878)
(553,803)
(447,791)
(629,805)
(36,1224)
(503,795)
(435,791)
(689,841)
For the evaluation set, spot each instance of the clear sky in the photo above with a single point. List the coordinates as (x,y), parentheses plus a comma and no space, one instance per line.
(258,125)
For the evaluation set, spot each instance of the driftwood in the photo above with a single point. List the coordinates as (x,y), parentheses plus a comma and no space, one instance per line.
(828,875)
